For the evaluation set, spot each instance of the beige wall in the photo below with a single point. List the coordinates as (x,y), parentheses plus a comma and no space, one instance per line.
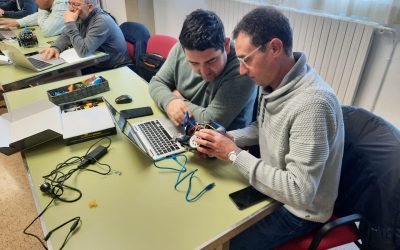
(141,11)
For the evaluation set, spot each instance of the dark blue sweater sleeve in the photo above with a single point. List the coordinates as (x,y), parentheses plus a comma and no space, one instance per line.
(9,5)
(27,7)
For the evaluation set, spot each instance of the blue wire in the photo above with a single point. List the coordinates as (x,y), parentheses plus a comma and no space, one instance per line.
(171,168)
(179,180)
(186,120)
(220,126)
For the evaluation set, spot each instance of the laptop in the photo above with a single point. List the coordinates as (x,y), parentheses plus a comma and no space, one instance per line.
(7,34)
(34,62)
(155,138)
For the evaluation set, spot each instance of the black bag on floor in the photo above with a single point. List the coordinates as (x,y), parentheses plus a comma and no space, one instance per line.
(149,64)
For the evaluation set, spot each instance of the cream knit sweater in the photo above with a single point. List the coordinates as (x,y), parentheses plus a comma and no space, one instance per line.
(301,135)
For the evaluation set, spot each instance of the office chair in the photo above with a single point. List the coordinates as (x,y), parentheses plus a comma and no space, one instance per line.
(160,45)
(136,37)
(369,190)
(255,149)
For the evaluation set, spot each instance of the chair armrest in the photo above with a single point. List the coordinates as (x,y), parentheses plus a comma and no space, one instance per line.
(332,225)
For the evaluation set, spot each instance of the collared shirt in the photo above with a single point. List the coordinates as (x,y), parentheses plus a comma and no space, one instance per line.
(51,22)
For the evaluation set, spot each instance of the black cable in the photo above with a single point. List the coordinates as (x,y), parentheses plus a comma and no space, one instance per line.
(73,227)
(102,164)
(71,231)
(56,189)
(98,141)
(56,177)
(34,235)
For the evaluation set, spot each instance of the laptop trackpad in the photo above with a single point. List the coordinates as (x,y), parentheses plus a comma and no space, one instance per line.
(53,61)
(171,128)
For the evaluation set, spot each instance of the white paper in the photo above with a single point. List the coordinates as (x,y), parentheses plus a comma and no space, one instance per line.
(70,56)
(30,120)
(4,60)
(86,121)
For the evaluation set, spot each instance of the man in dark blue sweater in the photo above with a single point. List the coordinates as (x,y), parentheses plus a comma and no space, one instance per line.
(88,28)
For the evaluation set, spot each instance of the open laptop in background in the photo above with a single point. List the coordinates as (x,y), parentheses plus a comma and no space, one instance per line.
(7,34)
(34,62)
(156,138)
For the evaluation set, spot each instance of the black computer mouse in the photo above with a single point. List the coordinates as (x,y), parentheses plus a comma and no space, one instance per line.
(123,99)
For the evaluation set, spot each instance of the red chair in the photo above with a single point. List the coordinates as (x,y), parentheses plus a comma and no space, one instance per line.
(131,50)
(368,191)
(160,44)
(158,47)
(337,232)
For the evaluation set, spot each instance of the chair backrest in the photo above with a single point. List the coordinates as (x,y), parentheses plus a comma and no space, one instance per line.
(136,37)
(160,44)
(370,177)
(131,50)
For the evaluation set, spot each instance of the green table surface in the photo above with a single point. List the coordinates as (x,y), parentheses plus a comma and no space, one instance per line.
(139,209)
(15,77)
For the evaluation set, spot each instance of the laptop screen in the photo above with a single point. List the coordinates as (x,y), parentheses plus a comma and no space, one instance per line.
(124,126)
(119,120)
(155,137)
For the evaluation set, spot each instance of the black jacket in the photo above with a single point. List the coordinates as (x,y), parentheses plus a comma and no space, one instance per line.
(370,178)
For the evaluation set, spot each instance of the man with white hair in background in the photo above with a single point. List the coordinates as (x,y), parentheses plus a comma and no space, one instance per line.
(49,17)
(88,28)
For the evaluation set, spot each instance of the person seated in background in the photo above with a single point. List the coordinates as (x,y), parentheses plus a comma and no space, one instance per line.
(87,29)
(201,76)
(299,128)
(49,17)
(17,8)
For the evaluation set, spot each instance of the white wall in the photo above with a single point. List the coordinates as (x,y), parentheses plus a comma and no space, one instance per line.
(380,92)
(375,93)
(170,14)
(116,8)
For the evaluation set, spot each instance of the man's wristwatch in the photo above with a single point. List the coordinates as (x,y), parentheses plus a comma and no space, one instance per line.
(233,154)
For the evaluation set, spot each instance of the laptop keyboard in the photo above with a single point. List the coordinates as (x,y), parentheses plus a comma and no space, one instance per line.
(7,34)
(158,137)
(38,64)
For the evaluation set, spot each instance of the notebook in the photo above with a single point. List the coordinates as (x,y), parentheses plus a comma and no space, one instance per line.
(155,138)
(7,34)
(34,62)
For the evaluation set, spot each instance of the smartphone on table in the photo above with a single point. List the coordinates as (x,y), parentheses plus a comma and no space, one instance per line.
(247,197)
(136,112)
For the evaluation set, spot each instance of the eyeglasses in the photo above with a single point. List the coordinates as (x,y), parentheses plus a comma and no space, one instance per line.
(245,59)
(76,4)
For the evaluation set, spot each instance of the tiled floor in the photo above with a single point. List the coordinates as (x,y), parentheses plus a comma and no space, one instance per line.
(17,207)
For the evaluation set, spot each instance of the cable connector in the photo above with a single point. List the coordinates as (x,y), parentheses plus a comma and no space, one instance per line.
(93,156)
(96,154)
(210,186)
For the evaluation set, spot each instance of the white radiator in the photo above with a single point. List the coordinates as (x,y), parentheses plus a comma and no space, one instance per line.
(336,48)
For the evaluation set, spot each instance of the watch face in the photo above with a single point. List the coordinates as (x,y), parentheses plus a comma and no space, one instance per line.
(232,156)
(192,142)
